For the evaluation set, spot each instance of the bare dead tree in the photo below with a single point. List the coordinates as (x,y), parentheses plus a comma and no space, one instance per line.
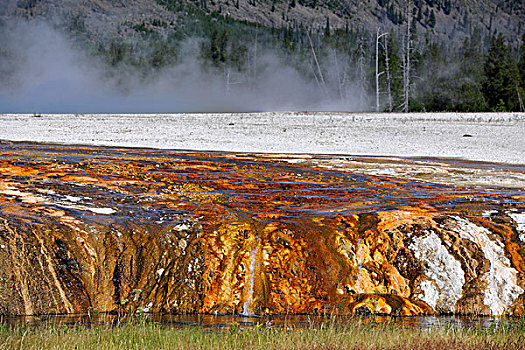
(407,51)
(341,78)
(254,72)
(228,81)
(378,37)
(362,73)
(315,76)
(520,100)
(388,76)
(319,76)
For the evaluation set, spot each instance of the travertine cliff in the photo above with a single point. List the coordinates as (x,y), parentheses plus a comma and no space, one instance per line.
(85,229)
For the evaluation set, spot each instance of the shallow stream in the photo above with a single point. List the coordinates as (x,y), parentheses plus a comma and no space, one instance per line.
(222,322)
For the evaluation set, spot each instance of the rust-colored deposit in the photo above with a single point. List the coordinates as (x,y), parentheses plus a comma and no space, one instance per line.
(114,229)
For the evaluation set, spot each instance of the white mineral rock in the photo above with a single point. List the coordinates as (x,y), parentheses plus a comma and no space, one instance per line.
(502,288)
(446,278)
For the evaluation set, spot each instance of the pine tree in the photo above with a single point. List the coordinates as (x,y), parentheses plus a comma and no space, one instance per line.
(473,58)
(223,47)
(521,64)
(327,28)
(501,76)
(214,48)
(521,70)
(434,96)
(159,55)
(394,68)
(470,75)
(432,19)
(447,7)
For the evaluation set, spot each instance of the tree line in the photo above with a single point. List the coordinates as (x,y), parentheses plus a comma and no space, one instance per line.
(397,70)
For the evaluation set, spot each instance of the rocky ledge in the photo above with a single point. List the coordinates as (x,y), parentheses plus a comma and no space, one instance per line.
(121,230)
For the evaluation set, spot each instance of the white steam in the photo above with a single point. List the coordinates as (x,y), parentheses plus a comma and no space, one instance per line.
(43,72)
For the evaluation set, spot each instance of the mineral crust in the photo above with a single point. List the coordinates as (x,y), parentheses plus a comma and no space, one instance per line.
(87,229)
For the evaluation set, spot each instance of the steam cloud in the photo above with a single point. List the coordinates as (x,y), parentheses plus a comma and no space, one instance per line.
(43,72)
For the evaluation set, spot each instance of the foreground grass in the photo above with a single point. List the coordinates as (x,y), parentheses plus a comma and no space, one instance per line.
(318,337)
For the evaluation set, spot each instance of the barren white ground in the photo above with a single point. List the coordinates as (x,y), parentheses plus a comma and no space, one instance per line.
(492,137)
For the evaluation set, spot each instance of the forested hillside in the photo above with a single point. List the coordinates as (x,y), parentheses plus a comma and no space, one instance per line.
(389,55)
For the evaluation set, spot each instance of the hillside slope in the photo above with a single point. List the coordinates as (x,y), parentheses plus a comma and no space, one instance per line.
(444,20)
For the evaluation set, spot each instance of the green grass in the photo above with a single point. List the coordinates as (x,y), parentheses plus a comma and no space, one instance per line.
(357,335)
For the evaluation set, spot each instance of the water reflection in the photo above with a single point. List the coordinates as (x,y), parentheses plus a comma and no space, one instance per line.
(220,322)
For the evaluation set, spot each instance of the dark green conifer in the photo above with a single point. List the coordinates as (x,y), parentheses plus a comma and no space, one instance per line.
(501,76)
(214,48)
(521,63)
(327,28)
(432,19)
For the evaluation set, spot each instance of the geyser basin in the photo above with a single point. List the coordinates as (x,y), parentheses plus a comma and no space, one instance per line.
(496,137)
(116,229)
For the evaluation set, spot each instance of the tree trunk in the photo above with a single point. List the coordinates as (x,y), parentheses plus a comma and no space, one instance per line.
(340,81)
(406,57)
(227,72)
(378,36)
(362,75)
(321,78)
(522,108)
(388,77)
(254,72)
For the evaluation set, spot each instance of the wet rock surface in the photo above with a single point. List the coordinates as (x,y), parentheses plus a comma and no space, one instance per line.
(119,229)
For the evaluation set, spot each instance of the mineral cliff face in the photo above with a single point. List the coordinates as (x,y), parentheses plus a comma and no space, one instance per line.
(108,229)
